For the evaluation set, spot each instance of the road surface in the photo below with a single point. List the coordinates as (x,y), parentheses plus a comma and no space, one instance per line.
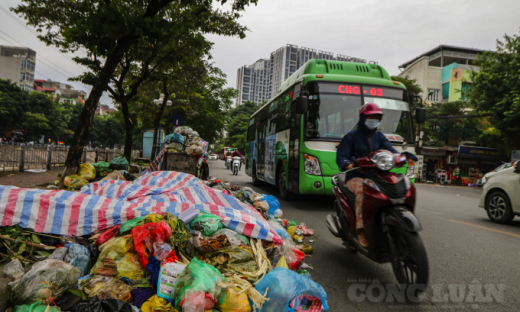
(474,264)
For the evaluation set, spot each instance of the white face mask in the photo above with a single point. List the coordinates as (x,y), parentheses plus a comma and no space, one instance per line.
(372,123)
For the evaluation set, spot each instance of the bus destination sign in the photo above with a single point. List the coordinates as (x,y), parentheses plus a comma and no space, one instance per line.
(369,91)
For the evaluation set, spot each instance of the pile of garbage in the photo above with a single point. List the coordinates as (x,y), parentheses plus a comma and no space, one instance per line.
(164,242)
(185,140)
(117,169)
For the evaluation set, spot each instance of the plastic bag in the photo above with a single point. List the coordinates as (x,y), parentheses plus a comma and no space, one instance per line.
(74,182)
(207,224)
(221,238)
(36,307)
(261,204)
(87,171)
(197,302)
(273,202)
(119,163)
(233,258)
(194,150)
(174,138)
(59,254)
(145,235)
(279,229)
(168,279)
(79,257)
(44,280)
(105,287)
(157,304)
(102,169)
(293,254)
(114,175)
(130,224)
(303,230)
(256,197)
(199,277)
(184,130)
(117,258)
(109,234)
(306,303)
(14,269)
(161,250)
(235,302)
(283,285)
(94,304)
(94,254)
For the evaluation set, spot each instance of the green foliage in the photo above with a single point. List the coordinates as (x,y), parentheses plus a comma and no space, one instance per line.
(496,91)
(15,242)
(411,86)
(238,123)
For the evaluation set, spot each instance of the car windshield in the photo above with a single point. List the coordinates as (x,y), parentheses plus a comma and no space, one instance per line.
(331,116)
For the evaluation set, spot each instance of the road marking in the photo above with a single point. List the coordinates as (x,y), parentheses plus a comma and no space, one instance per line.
(485,228)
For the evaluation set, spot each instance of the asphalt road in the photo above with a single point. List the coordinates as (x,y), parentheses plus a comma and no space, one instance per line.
(474,264)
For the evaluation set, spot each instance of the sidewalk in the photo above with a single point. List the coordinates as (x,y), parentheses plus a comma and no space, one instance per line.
(29,180)
(439,185)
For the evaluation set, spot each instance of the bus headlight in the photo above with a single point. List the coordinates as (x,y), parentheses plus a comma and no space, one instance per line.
(384,161)
(311,165)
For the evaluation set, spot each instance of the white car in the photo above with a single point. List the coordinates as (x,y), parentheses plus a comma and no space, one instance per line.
(213,157)
(501,195)
(488,175)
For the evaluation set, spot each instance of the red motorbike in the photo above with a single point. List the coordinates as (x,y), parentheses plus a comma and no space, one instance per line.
(388,215)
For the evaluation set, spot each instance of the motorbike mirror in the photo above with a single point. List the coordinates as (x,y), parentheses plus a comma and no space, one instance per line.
(302,103)
(420,115)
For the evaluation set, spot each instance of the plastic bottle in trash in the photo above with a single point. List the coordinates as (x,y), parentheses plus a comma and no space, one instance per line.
(161,250)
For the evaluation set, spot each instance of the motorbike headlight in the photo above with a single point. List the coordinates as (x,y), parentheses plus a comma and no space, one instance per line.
(372,184)
(311,165)
(384,161)
(407,183)
(410,172)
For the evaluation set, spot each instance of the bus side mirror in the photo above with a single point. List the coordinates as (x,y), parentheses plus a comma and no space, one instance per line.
(302,103)
(420,115)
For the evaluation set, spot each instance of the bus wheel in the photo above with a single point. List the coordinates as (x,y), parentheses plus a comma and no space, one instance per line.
(256,182)
(284,193)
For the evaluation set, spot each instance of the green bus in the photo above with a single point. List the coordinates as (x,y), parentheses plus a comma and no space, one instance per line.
(292,139)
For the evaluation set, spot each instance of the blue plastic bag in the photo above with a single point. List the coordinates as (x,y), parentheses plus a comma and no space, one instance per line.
(283,285)
(274,204)
(79,258)
(174,138)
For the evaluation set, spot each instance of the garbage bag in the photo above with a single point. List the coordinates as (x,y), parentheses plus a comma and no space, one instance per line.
(94,254)
(68,300)
(130,224)
(184,130)
(94,304)
(199,277)
(235,302)
(234,258)
(206,223)
(261,204)
(102,169)
(105,287)
(197,302)
(129,177)
(161,250)
(118,258)
(36,307)
(283,285)
(157,304)
(79,258)
(174,138)
(119,163)
(114,175)
(153,217)
(279,229)
(74,182)
(141,295)
(14,269)
(44,280)
(293,254)
(220,239)
(168,279)
(144,237)
(108,235)
(273,202)
(87,171)
(59,254)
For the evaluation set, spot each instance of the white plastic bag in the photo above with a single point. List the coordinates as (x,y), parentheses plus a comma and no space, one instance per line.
(14,269)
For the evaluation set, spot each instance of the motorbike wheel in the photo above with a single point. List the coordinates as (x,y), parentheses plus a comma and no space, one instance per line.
(235,170)
(284,192)
(411,263)
(256,182)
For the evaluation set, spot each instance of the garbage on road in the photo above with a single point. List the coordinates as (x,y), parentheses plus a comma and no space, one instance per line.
(166,241)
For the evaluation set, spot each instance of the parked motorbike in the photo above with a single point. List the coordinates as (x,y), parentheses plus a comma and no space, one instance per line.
(236,165)
(388,213)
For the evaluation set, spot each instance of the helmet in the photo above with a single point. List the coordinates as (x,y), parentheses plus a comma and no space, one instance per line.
(370,109)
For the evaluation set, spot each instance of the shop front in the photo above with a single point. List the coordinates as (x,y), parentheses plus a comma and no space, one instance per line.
(434,160)
(472,163)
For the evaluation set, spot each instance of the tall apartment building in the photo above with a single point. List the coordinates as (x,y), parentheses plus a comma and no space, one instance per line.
(282,63)
(18,64)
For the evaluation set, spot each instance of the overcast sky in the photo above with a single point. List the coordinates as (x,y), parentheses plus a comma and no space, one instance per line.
(389,32)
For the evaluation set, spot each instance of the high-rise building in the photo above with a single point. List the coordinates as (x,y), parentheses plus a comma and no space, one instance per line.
(18,64)
(252,82)
(256,84)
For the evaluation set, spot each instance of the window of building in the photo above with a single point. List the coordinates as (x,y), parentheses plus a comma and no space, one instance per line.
(245,97)
(247,79)
(293,68)
(22,76)
(30,65)
(245,90)
(24,64)
(434,97)
(293,57)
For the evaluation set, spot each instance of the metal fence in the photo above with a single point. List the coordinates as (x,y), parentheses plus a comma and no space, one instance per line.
(22,157)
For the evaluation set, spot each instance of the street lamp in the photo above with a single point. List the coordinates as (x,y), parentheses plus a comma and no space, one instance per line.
(159,102)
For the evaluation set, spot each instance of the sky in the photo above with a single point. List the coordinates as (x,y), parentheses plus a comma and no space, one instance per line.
(388,32)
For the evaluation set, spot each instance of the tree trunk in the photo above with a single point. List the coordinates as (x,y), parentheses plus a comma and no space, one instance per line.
(87,115)
(129,127)
(156,123)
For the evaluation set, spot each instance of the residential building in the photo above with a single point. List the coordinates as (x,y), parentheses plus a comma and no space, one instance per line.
(18,65)
(445,70)
(66,92)
(260,82)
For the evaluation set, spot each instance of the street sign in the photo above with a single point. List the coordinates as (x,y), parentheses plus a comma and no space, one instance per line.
(177,120)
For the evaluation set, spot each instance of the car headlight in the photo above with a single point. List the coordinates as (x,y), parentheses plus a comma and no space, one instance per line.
(372,184)
(384,161)
(311,165)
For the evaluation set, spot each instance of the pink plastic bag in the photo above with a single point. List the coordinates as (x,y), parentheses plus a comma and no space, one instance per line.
(144,237)
(108,235)
(197,302)
(293,255)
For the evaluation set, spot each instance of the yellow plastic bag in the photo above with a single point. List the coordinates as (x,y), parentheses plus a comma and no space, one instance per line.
(157,304)
(282,263)
(235,302)
(291,230)
(117,257)
(153,218)
(87,171)
(74,182)
(107,288)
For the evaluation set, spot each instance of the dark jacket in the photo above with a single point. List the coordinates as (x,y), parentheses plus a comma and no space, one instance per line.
(359,143)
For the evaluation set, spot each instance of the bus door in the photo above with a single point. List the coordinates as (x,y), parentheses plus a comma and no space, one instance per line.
(293,175)
(260,167)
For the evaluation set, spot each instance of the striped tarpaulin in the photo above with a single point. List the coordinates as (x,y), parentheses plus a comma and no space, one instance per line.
(106,203)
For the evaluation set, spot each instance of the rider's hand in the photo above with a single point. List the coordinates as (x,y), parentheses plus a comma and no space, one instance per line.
(350,166)
(410,160)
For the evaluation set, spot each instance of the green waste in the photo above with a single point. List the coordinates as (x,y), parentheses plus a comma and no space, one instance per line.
(130,224)
(102,169)
(119,163)
(207,224)
(36,307)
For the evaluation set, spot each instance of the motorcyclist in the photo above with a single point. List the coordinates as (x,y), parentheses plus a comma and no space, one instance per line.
(236,153)
(360,143)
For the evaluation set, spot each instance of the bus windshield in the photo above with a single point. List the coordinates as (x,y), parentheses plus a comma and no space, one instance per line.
(331,116)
